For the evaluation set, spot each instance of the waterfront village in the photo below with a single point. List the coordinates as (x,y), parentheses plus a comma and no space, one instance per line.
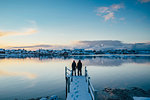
(65,52)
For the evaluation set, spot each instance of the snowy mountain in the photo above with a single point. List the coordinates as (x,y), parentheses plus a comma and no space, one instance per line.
(111,45)
(93,45)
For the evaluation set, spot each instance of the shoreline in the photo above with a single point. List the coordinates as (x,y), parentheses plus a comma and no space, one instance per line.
(116,94)
(46,55)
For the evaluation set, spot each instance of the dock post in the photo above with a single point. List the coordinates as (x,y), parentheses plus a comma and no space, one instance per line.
(68,84)
(88,84)
(71,79)
(85,72)
(95,95)
(71,76)
(65,71)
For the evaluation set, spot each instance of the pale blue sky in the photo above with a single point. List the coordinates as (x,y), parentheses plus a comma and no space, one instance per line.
(28,22)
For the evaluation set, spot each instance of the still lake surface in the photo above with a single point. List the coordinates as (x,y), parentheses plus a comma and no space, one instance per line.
(40,77)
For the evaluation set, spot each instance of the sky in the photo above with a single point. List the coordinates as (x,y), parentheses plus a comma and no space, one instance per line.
(64,22)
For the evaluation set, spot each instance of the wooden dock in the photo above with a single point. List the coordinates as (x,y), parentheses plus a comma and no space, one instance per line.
(79,87)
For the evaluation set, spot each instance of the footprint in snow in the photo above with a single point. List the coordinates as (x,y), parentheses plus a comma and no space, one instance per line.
(77,96)
(72,95)
(76,83)
(76,92)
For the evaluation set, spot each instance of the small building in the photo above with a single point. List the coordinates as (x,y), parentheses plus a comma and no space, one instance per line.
(2,51)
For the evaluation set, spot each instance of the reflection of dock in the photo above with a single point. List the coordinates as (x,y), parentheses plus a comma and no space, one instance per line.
(79,87)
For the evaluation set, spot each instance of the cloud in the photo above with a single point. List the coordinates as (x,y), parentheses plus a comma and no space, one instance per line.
(27,31)
(34,46)
(109,16)
(116,7)
(43,46)
(92,45)
(33,23)
(144,1)
(122,18)
(108,12)
(112,44)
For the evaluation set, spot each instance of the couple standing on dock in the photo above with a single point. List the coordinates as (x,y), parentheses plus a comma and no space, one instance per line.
(78,66)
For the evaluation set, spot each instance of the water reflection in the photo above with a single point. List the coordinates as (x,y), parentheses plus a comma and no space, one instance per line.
(24,74)
(25,78)
(92,60)
(115,61)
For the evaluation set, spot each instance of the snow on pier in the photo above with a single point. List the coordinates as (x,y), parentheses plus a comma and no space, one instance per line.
(79,87)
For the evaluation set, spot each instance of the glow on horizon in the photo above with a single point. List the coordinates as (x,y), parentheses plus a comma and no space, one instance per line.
(65,22)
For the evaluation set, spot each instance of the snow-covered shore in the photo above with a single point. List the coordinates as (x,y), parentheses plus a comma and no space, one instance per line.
(22,53)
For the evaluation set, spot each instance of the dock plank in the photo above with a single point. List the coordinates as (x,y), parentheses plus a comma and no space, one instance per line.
(79,89)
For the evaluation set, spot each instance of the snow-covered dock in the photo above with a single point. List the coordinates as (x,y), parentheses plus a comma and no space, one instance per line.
(79,87)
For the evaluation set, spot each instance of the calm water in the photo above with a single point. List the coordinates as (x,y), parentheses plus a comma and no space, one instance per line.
(35,77)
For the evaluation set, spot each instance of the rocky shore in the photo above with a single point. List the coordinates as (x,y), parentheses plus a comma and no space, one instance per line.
(116,94)
(122,94)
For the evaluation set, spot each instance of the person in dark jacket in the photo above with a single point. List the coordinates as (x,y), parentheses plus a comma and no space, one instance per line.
(73,67)
(79,66)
